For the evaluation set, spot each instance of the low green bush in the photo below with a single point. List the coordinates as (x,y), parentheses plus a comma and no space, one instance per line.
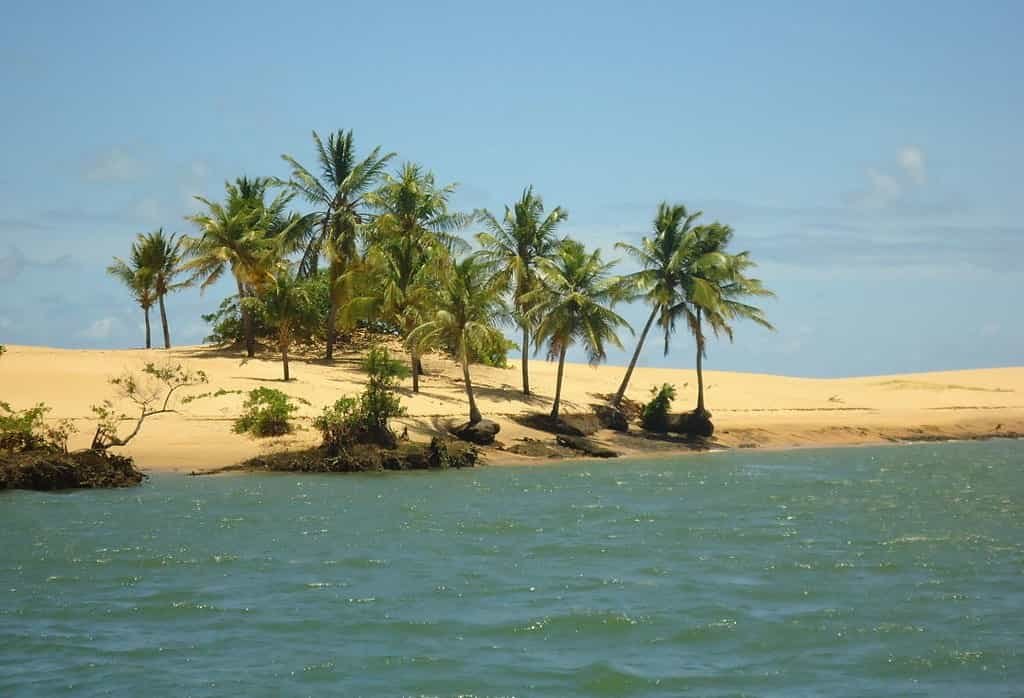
(266,412)
(26,430)
(654,415)
(365,419)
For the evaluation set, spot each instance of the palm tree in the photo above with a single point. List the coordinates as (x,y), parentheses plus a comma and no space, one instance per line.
(573,303)
(163,258)
(286,303)
(135,275)
(339,195)
(413,237)
(666,260)
(469,305)
(245,236)
(719,305)
(515,245)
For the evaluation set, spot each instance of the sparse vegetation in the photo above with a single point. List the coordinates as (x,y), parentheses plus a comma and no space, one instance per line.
(365,419)
(151,393)
(266,412)
(25,430)
(654,414)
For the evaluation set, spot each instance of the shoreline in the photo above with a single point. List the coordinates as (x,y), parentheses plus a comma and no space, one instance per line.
(750,411)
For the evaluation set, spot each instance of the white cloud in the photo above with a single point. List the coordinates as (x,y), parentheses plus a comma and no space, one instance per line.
(115,165)
(100,329)
(911,159)
(5,323)
(887,187)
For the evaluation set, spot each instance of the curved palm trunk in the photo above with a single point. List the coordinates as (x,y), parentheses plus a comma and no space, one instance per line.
(332,314)
(247,326)
(284,361)
(700,367)
(558,383)
(617,400)
(149,343)
(474,413)
(163,321)
(526,361)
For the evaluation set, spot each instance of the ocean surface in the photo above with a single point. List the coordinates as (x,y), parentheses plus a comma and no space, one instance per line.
(850,572)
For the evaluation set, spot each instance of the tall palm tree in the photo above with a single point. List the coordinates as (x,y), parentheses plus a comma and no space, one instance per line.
(246,236)
(286,303)
(469,302)
(573,303)
(163,258)
(515,245)
(338,195)
(134,274)
(413,235)
(666,259)
(720,304)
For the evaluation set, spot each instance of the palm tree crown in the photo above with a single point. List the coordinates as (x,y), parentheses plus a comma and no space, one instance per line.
(470,304)
(134,274)
(573,304)
(514,246)
(338,194)
(413,235)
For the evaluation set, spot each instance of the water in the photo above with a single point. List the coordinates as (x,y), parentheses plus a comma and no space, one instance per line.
(889,571)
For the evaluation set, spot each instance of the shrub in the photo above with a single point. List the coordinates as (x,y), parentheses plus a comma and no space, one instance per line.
(365,419)
(267,412)
(26,430)
(151,391)
(654,415)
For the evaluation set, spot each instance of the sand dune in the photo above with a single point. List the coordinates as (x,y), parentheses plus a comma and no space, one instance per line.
(750,410)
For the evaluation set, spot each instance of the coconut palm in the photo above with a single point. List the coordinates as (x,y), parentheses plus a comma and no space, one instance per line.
(413,235)
(286,303)
(573,303)
(515,245)
(469,302)
(163,259)
(666,259)
(338,195)
(134,274)
(246,236)
(716,298)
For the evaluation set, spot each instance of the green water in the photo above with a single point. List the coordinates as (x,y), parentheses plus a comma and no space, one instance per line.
(888,571)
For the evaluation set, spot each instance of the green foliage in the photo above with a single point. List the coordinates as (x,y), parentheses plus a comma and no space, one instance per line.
(226,326)
(654,415)
(25,430)
(365,419)
(151,393)
(267,412)
(491,351)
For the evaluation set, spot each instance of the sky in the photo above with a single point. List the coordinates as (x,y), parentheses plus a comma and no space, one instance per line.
(868,155)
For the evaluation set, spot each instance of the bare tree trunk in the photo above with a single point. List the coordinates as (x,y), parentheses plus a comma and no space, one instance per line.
(415,361)
(558,382)
(163,321)
(149,343)
(700,367)
(332,314)
(247,325)
(474,413)
(617,400)
(526,361)
(284,360)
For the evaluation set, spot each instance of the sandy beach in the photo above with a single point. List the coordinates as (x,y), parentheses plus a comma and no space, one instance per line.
(750,410)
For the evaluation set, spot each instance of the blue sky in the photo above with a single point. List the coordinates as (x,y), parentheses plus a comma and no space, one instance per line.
(868,154)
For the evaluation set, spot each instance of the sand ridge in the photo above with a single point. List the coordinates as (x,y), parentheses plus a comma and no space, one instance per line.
(750,410)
